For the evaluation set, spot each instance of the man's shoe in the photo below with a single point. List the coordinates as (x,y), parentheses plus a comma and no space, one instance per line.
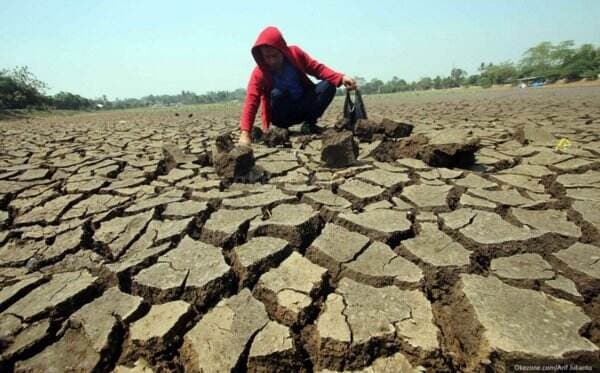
(310,128)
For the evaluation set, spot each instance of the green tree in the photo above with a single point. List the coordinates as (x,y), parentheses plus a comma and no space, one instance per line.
(393,85)
(374,86)
(70,101)
(502,73)
(563,52)
(457,77)
(20,89)
(582,63)
(400,85)
(360,81)
(538,60)
(424,83)
(548,60)
(23,76)
(473,79)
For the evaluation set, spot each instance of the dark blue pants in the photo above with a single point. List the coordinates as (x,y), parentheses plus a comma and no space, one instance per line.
(286,112)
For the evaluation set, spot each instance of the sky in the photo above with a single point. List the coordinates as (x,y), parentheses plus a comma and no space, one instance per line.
(123,48)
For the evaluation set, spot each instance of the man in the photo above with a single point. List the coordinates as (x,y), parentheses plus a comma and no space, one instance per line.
(280,84)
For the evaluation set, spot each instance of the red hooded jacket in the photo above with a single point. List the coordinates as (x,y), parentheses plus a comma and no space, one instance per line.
(261,83)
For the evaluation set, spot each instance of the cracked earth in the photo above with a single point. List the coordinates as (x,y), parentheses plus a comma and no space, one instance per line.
(121,249)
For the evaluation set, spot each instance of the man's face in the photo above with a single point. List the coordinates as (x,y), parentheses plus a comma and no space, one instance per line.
(273,57)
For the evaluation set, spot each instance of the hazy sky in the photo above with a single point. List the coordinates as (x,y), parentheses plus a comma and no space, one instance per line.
(133,48)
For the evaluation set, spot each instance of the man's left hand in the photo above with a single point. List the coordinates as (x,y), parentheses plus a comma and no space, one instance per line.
(349,83)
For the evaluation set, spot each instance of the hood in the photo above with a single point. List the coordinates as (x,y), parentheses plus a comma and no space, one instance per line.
(272,37)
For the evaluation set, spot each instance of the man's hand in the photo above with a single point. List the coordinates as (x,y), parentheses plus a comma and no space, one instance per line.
(245,138)
(349,83)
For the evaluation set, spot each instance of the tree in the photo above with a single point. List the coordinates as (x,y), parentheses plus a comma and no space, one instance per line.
(562,52)
(473,79)
(447,82)
(393,85)
(20,89)
(399,85)
(360,81)
(25,77)
(548,60)
(424,83)
(502,73)
(537,60)
(457,77)
(437,82)
(239,94)
(582,63)
(374,86)
(70,101)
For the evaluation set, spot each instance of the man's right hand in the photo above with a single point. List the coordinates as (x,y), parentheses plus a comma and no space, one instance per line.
(349,83)
(245,138)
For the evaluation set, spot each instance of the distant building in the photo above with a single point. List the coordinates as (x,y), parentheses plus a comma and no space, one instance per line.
(531,81)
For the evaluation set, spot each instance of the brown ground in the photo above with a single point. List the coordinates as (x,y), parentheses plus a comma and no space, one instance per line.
(95,195)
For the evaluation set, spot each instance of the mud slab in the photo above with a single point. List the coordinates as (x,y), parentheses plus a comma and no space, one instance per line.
(366,129)
(276,137)
(339,149)
(448,148)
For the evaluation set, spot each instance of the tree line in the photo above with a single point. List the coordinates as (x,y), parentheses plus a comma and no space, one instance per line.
(183,98)
(20,89)
(547,61)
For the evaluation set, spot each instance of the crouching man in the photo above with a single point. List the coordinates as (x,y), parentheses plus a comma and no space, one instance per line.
(279,83)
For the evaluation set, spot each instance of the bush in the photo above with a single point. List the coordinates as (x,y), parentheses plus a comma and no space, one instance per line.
(70,101)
